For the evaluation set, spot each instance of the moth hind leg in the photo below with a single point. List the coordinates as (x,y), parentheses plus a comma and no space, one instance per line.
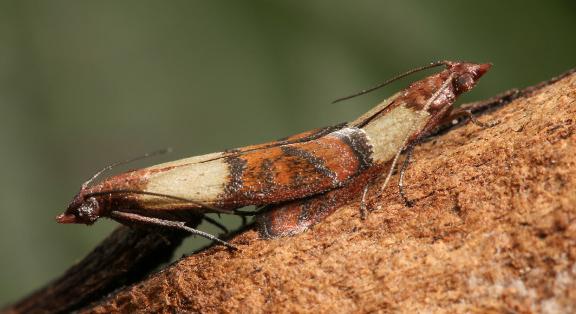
(409,152)
(215,224)
(363,203)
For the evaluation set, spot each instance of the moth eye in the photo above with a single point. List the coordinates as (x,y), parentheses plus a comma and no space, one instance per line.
(463,83)
(87,212)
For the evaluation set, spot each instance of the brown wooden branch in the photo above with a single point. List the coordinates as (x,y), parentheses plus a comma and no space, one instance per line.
(124,257)
(493,229)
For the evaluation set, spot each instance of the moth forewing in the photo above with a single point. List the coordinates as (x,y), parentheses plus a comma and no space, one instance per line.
(297,167)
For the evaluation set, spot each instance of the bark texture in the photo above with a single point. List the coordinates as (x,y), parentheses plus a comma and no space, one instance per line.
(492,229)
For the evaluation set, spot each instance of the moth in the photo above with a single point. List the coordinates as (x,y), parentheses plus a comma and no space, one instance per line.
(301,178)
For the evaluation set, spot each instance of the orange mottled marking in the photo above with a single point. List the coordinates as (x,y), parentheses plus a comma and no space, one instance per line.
(336,155)
(296,170)
(293,169)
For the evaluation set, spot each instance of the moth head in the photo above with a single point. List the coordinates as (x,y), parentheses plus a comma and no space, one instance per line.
(82,210)
(466,75)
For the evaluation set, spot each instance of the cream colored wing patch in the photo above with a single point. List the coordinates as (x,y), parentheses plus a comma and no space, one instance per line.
(198,181)
(387,133)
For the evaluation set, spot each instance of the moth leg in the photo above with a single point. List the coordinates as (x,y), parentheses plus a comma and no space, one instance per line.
(176,225)
(479,123)
(363,209)
(409,152)
(216,224)
(393,165)
(242,213)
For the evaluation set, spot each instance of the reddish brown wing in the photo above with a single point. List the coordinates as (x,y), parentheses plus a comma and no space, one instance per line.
(297,170)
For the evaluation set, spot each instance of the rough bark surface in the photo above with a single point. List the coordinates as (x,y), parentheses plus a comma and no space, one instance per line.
(492,229)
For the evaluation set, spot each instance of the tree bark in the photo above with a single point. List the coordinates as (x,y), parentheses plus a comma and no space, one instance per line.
(492,229)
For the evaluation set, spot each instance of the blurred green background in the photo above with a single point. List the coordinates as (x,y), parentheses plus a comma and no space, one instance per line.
(87,83)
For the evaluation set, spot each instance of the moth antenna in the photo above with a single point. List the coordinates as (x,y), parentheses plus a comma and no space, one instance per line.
(397,77)
(119,163)
(177,225)
(200,204)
